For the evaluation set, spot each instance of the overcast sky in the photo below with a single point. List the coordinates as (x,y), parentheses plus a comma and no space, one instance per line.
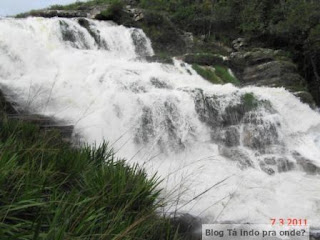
(12,7)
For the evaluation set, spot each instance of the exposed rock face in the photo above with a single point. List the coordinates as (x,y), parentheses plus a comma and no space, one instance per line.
(240,126)
(239,44)
(267,67)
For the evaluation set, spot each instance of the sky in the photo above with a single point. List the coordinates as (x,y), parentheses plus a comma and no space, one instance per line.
(12,7)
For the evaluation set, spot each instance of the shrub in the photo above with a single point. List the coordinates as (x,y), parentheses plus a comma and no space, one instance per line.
(113,12)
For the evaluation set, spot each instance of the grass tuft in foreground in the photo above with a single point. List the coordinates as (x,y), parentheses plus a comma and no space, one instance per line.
(51,190)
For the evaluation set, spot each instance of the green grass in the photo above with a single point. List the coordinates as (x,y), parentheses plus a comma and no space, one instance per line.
(51,190)
(223,73)
(207,74)
(220,75)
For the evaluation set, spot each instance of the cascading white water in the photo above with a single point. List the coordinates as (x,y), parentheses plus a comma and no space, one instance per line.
(262,143)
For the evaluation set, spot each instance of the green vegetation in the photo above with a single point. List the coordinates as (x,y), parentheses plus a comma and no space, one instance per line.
(51,190)
(207,73)
(223,73)
(217,75)
(113,11)
(249,101)
(81,5)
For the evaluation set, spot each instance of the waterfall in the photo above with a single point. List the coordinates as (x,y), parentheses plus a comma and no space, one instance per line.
(259,147)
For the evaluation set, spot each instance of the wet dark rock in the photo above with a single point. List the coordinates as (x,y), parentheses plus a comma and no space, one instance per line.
(145,131)
(189,227)
(270,161)
(137,88)
(95,34)
(159,84)
(170,126)
(268,170)
(237,155)
(259,137)
(284,165)
(233,115)
(140,43)
(306,164)
(207,109)
(164,128)
(73,37)
(231,137)
(257,133)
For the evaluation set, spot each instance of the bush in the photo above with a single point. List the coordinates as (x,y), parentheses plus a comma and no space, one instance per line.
(113,12)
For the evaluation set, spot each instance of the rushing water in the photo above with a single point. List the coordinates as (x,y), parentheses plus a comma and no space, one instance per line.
(225,153)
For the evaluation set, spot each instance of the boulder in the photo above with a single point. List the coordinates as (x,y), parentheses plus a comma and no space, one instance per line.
(239,44)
